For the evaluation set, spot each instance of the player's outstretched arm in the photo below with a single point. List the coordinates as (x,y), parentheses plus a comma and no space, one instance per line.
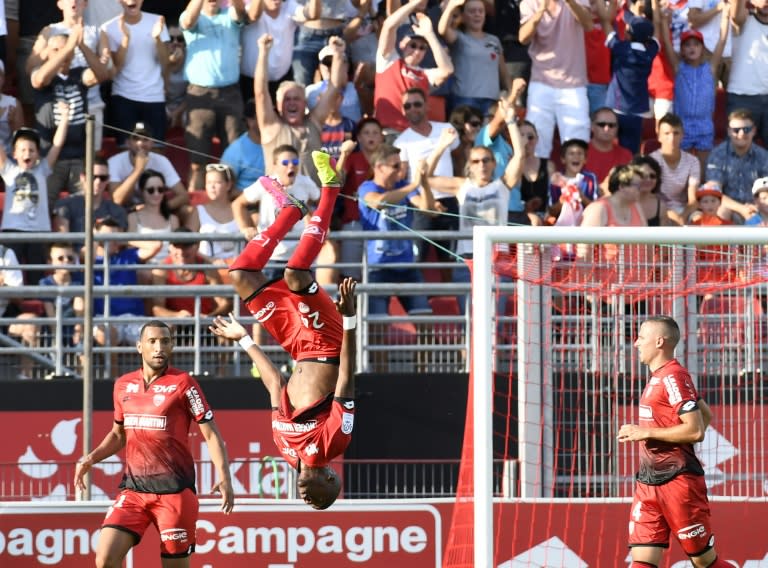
(345,386)
(270,375)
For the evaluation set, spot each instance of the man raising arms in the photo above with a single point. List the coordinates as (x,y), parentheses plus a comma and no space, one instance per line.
(670,494)
(154,406)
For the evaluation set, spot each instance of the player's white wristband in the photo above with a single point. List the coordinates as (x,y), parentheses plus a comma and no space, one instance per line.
(348,322)
(246,342)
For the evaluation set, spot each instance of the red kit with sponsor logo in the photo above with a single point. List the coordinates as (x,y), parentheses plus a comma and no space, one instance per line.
(156,419)
(316,434)
(668,394)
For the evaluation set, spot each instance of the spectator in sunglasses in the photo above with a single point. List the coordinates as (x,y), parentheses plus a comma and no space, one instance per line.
(175,105)
(69,212)
(153,216)
(467,121)
(736,163)
(605,152)
(285,169)
(398,72)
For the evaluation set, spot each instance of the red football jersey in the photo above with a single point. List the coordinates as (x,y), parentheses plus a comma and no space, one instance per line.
(315,434)
(156,419)
(307,325)
(668,394)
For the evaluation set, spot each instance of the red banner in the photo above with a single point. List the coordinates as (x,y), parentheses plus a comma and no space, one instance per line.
(377,535)
(39,457)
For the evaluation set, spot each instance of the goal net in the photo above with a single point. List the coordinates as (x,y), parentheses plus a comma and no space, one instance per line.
(543,481)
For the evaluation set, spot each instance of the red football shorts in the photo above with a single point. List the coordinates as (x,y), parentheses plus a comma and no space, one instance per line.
(174,515)
(679,506)
(308,326)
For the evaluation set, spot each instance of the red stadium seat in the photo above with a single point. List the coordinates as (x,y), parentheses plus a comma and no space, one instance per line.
(649,145)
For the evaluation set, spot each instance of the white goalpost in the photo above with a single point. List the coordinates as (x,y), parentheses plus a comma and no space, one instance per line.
(535,425)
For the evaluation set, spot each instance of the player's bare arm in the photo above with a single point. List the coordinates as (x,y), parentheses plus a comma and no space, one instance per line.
(270,375)
(218,453)
(345,386)
(689,431)
(112,443)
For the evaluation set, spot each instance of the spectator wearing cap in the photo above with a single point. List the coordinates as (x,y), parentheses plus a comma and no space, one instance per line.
(137,42)
(760,195)
(632,59)
(279,19)
(290,123)
(69,212)
(245,156)
(350,101)
(712,260)
(695,84)
(57,80)
(212,67)
(11,114)
(325,19)
(708,197)
(604,151)
(26,208)
(398,72)
(126,167)
(557,93)
(480,70)
(737,162)
(96,41)
(704,16)
(748,80)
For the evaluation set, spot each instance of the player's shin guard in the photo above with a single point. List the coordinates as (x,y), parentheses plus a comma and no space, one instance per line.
(259,250)
(313,237)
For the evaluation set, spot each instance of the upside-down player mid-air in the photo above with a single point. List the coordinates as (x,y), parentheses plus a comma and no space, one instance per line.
(312,412)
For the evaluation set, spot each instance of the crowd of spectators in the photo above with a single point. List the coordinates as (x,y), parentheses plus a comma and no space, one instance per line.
(604,112)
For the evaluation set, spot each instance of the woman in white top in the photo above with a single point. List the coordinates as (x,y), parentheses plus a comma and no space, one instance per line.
(153,215)
(215,216)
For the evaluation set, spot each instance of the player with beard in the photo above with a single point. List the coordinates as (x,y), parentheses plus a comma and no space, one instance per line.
(154,406)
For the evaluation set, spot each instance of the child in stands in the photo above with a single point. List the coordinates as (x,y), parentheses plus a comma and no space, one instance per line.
(695,82)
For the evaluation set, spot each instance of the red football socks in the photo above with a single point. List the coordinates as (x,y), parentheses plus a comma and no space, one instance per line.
(313,237)
(259,250)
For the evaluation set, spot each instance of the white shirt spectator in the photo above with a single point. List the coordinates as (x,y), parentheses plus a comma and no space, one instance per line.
(120,167)
(282,31)
(414,147)
(711,30)
(141,78)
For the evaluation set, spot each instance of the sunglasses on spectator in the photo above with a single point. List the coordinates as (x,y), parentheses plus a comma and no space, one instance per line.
(101,177)
(293,161)
(65,257)
(648,176)
(485,160)
(475,123)
(607,124)
(393,166)
(178,38)
(152,189)
(738,129)
(418,46)
(221,168)
(414,104)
